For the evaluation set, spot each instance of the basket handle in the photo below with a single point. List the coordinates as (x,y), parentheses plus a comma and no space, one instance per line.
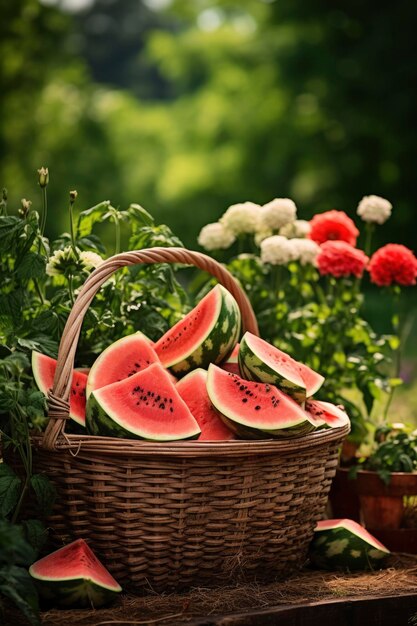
(58,404)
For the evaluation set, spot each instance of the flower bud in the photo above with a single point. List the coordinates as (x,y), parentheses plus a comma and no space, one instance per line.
(43,177)
(73,196)
(25,208)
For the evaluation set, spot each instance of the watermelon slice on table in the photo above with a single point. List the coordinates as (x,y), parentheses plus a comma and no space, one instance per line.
(231,364)
(255,410)
(207,334)
(192,389)
(74,577)
(326,414)
(343,544)
(144,406)
(121,359)
(43,368)
(260,361)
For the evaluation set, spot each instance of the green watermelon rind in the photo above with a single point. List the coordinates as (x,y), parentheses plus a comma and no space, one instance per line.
(99,422)
(219,340)
(254,368)
(339,548)
(75,592)
(245,430)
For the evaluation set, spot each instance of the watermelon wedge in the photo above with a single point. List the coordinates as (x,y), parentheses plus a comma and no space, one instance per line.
(192,389)
(206,334)
(326,414)
(260,361)
(343,544)
(121,359)
(255,410)
(144,406)
(43,369)
(74,577)
(231,364)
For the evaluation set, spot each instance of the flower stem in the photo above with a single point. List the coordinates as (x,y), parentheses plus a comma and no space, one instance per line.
(369,229)
(74,247)
(117,228)
(44,210)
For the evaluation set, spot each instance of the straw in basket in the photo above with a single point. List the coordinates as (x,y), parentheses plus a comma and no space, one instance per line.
(181,514)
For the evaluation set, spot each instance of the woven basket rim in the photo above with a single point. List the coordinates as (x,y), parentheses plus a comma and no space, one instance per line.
(110,446)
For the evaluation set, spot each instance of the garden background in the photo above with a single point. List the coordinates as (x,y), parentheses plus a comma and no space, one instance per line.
(188,107)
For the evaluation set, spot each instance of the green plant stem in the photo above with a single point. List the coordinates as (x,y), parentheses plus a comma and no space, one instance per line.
(38,290)
(276,280)
(70,289)
(117,229)
(74,247)
(25,453)
(44,210)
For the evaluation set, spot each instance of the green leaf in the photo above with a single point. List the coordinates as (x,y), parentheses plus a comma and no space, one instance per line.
(31,266)
(141,214)
(10,486)
(89,217)
(45,492)
(35,533)
(10,227)
(17,585)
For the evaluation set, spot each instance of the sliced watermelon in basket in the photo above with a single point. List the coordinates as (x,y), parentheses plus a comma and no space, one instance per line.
(326,414)
(43,368)
(143,406)
(255,410)
(343,544)
(260,361)
(192,389)
(121,359)
(231,364)
(207,334)
(74,577)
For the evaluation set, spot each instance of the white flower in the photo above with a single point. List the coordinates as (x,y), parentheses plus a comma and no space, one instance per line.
(374,209)
(276,250)
(242,218)
(215,237)
(59,260)
(304,250)
(261,235)
(299,228)
(90,259)
(278,212)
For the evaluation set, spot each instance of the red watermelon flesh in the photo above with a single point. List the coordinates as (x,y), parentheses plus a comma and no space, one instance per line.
(257,405)
(192,389)
(146,405)
(43,368)
(76,560)
(326,414)
(231,364)
(121,359)
(312,380)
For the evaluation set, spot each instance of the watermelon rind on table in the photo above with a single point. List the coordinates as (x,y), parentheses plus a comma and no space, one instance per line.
(193,390)
(73,577)
(326,414)
(263,362)
(145,405)
(342,544)
(207,334)
(121,359)
(255,410)
(43,369)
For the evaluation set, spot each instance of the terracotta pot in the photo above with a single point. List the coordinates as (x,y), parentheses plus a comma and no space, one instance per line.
(344,501)
(382,506)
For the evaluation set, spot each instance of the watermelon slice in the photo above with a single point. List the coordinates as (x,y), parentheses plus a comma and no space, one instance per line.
(144,406)
(231,364)
(255,410)
(326,414)
(346,545)
(207,334)
(192,389)
(121,359)
(43,368)
(74,577)
(259,360)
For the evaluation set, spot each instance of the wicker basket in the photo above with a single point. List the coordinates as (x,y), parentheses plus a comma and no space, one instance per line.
(181,514)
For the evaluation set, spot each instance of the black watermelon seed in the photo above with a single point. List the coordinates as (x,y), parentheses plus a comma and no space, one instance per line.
(257,408)
(244,399)
(162,405)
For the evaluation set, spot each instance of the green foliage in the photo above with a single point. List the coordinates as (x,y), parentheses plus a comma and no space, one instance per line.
(394,449)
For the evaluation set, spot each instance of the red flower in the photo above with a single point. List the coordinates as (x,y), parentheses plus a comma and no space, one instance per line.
(333,225)
(339,258)
(393,263)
